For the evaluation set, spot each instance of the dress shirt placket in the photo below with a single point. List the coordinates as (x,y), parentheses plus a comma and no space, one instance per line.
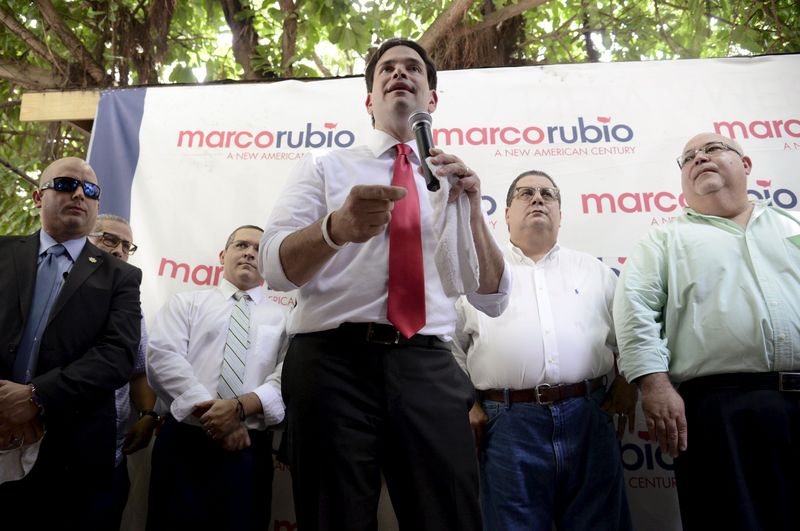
(781,355)
(552,371)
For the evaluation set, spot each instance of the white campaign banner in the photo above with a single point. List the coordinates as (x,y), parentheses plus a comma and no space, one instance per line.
(211,158)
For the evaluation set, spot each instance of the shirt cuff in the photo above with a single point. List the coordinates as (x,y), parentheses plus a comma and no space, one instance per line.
(270,265)
(641,365)
(271,404)
(494,304)
(183,406)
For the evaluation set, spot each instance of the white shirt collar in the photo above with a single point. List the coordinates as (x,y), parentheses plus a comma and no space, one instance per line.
(516,255)
(380,142)
(759,206)
(227,289)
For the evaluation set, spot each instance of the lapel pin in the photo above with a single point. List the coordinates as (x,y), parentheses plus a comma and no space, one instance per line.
(92,259)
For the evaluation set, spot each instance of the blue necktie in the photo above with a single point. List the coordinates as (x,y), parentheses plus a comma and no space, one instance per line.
(48,284)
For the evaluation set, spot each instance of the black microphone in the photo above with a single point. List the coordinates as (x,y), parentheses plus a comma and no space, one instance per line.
(420,122)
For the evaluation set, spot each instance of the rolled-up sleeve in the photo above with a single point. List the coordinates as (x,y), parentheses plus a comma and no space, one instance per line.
(269,393)
(494,304)
(168,370)
(301,203)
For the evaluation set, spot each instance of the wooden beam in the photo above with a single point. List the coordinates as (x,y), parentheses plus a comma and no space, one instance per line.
(57,106)
(82,126)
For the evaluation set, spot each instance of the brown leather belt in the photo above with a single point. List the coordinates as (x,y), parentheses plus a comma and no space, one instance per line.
(544,393)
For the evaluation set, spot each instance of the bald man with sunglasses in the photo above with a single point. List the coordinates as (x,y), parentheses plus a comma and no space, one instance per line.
(69,329)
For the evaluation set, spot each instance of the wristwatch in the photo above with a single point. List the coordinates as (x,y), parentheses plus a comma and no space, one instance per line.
(35,400)
(149,413)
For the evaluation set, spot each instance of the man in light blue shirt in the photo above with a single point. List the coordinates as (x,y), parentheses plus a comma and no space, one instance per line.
(711,302)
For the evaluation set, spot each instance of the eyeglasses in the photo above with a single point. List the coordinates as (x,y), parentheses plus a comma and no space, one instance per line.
(526,193)
(712,148)
(243,244)
(70,184)
(112,240)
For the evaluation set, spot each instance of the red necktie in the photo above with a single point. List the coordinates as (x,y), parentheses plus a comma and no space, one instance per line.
(406,306)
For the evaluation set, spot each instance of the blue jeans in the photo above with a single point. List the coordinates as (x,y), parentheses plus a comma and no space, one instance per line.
(558,463)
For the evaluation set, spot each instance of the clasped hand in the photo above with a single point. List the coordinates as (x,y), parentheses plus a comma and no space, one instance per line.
(218,417)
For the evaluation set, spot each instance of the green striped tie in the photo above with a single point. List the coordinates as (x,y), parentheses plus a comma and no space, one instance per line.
(236,344)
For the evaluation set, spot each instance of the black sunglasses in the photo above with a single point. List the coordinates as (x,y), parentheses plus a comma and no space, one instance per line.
(70,184)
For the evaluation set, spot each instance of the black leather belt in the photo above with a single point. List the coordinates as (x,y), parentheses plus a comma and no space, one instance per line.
(381,334)
(787,382)
(191,429)
(544,393)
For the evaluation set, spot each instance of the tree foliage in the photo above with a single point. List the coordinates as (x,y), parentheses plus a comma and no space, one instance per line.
(71,44)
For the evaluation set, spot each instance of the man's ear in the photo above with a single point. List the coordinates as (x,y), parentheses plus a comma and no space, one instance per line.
(368,104)
(37,198)
(748,164)
(222,257)
(433,101)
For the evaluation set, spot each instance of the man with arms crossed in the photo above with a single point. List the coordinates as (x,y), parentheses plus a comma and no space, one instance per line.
(711,302)
(214,359)
(369,382)
(548,450)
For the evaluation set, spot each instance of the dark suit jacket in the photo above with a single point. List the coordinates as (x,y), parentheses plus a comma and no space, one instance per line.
(87,348)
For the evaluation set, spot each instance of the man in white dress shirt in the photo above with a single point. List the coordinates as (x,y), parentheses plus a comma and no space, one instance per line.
(547,449)
(369,382)
(214,359)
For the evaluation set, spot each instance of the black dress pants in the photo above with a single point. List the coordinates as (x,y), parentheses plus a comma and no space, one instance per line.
(196,484)
(58,494)
(742,464)
(356,409)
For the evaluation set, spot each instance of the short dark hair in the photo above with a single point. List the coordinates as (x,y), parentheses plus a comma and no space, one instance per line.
(430,68)
(237,229)
(510,195)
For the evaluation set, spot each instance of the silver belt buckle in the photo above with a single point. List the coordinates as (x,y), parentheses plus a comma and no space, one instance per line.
(537,391)
(381,340)
(789,382)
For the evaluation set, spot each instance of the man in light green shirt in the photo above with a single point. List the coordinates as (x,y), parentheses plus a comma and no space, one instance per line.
(711,302)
